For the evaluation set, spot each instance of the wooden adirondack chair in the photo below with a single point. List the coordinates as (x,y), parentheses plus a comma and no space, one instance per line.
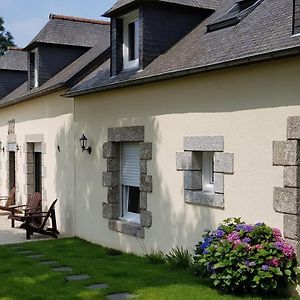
(33,223)
(33,205)
(10,200)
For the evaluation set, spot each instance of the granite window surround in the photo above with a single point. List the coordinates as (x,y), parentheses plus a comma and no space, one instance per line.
(28,149)
(190,162)
(11,139)
(111,180)
(286,199)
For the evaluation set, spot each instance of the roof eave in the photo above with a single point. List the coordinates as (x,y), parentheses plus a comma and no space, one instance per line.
(280,53)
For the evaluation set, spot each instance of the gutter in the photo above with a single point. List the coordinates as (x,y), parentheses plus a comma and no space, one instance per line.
(281,53)
(57,87)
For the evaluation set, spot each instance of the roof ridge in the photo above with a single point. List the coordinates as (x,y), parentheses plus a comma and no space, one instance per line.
(78,19)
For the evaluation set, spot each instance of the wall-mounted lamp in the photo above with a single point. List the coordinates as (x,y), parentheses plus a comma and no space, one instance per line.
(2,149)
(18,148)
(83,141)
(58,148)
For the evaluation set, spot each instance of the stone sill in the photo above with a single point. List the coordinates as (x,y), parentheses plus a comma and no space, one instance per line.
(204,198)
(128,228)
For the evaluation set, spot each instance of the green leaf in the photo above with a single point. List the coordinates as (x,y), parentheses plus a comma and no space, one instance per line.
(288,272)
(216,282)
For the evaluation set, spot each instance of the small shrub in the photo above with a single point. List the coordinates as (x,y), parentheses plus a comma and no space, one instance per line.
(113,252)
(155,257)
(179,258)
(240,257)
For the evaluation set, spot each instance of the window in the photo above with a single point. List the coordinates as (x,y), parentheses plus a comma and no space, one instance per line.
(37,167)
(130,181)
(34,68)
(208,171)
(236,14)
(131,30)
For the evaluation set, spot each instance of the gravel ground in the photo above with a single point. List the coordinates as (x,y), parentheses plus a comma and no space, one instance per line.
(16,235)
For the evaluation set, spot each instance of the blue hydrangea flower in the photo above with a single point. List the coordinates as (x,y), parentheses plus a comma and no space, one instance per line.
(265,268)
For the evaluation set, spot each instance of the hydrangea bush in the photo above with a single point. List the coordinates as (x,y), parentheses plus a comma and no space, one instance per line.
(242,257)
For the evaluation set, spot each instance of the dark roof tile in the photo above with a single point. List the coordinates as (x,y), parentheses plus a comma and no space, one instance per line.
(122,4)
(14,59)
(71,31)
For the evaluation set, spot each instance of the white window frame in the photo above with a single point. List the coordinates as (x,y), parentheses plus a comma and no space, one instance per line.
(126,215)
(35,69)
(208,172)
(132,17)
(124,196)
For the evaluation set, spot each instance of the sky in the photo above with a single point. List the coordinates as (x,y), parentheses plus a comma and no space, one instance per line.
(25,18)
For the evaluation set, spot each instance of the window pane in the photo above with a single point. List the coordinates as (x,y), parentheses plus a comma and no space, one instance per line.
(131,41)
(38,172)
(134,200)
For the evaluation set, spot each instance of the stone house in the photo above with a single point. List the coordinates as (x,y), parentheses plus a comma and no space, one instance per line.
(191,115)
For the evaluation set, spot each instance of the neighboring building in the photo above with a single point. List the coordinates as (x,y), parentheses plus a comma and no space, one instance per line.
(191,138)
(36,122)
(13,70)
(187,116)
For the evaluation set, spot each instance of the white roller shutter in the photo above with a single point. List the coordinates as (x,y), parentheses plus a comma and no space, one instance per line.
(130,164)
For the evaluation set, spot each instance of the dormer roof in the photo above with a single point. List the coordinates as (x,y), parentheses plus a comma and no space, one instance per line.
(125,4)
(71,31)
(15,59)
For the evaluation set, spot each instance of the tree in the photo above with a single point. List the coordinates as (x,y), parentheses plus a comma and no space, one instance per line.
(6,38)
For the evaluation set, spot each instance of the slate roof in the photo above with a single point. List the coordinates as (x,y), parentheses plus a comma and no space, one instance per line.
(71,31)
(65,78)
(14,59)
(264,34)
(123,4)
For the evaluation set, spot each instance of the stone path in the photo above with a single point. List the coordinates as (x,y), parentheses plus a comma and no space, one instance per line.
(78,277)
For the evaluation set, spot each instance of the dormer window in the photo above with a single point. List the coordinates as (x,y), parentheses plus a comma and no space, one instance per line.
(236,14)
(131,32)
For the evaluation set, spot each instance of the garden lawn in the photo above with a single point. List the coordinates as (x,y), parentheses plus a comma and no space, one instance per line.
(25,278)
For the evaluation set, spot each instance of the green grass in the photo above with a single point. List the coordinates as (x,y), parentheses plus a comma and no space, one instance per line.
(24,278)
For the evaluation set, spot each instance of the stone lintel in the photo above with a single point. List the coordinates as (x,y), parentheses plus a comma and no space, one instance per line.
(126,134)
(203,143)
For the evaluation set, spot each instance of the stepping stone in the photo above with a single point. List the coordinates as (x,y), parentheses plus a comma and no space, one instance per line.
(98,286)
(36,256)
(49,262)
(121,296)
(62,269)
(25,252)
(77,277)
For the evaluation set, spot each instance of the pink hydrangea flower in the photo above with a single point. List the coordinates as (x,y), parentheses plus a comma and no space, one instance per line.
(259,246)
(233,236)
(273,262)
(288,250)
(277,234)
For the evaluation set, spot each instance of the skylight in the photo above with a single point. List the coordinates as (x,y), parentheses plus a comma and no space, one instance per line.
(235,15)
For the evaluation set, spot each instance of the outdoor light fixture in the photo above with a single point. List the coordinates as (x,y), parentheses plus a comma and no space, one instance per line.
(1,148)
(18,148)
(83,141)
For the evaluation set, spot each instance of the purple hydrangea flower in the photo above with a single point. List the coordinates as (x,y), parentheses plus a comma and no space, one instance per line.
(246,240)
(279,245)
(240,227)
(265,268)
(219,233)
(259,224)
